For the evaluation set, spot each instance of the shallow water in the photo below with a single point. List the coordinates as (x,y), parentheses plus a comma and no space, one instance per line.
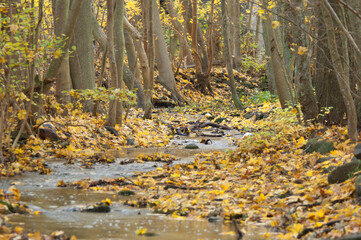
(121,223)
(57,204)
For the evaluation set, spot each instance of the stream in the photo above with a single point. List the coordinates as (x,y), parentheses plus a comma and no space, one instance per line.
(57,205)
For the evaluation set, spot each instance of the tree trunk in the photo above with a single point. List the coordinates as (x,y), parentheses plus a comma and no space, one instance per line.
(269,68)
(228,57)
(128,76)
(180,31)
(63,79)
(328,96)
(82,59)
(119,54)
(68,34)
(341,73)
(280,74)
(302,74)
(113,65)
(166,75)
(248,34)
(237,39)
(199,52)
(55,63)
(148,82)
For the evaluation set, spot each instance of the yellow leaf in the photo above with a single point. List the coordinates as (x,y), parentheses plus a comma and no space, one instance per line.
(296,228)
(302,50)
(16,193)
(176,174)
(300,142)
(18,151)
(318,224)
(22,114)
(37,213)
(3,10)
(108,201)
(275,24)
(266,235)
(141,231)
(274,223)
(320,214)
(18,230)
(34,236)
(57,53)
(262,197)
(309,173)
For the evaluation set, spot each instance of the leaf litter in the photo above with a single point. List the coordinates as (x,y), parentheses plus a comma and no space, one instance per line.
(268,179)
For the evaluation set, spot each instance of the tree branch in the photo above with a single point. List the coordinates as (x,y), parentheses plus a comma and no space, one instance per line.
(338,21)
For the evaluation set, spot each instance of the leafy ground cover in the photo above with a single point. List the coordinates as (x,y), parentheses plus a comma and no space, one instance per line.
(269,179)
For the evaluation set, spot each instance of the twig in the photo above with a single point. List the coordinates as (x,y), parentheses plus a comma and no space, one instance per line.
(345,31)
(350,8)
(239,232)
(182,187)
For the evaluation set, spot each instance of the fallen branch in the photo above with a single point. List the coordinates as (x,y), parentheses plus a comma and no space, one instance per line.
(238,230)
(199,125)
(308,230)
(182,187)
(70,125)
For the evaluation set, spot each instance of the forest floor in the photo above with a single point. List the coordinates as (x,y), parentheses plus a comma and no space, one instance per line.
(268,179)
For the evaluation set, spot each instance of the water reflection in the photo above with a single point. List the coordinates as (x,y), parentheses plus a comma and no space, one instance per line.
(120,223)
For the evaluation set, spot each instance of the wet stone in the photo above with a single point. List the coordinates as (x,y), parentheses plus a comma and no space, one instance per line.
(343,172)
(358,187)
(126,193)
(220,120)
(112,130)
(319,145)
(130,141)
(357,151)
(213,219)
(328,169)
(48,133)
(98,208)
(248,115)
(191,146)
(324,159)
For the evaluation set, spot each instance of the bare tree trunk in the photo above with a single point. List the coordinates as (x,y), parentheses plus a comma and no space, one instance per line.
(325,79)
(237,33)
(280,74)
(148,82)
(34,42)
(128,76)
(303,81)
(199,52)
(228,57)
(111,55)
(63,79)
(82,59)
(119,54)
(248,35)
(166,75)
(55,63)
(180,31)
(231,25)
(269,70)
(256,38)
(342,75)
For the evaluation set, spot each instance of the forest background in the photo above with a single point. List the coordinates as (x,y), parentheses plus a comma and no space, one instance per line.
(108,62)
